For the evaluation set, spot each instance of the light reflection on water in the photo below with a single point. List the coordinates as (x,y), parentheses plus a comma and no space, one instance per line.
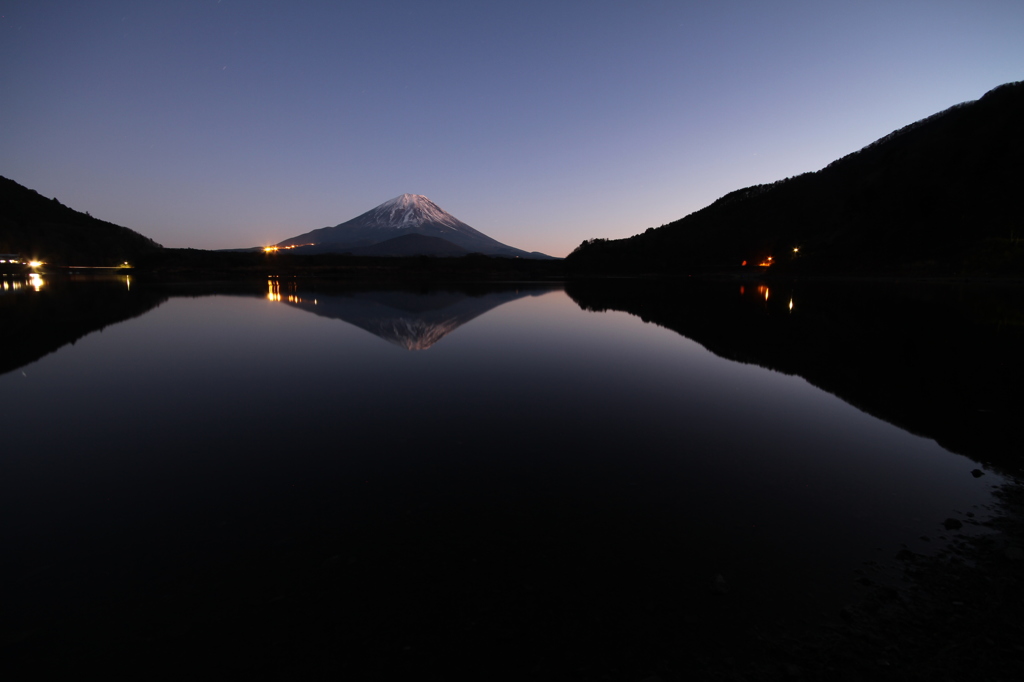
(274,294)
(16,283)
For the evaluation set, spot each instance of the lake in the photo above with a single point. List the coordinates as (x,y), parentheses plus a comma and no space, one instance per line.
(522,479)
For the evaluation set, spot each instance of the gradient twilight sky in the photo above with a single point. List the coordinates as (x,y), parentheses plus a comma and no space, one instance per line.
(231,123)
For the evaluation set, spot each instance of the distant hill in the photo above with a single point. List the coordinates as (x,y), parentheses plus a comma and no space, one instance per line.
(409,214)
(45,229)
(939,196)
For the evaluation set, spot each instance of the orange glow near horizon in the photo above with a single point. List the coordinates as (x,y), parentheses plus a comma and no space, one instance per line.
(767,262)
(272,249)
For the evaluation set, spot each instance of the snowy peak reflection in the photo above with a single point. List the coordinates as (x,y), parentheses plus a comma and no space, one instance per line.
(414,320)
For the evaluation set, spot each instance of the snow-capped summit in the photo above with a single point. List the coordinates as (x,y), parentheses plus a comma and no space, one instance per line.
(404,215)
(412,210)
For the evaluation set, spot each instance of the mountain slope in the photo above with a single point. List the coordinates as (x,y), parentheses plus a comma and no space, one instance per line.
(936,197)
(411,244)
(404,215)
(41,228)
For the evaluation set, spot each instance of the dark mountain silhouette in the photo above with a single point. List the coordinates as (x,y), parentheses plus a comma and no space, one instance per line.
(940,196)
(414,320)
(941,361)
(45,229)
(408,214)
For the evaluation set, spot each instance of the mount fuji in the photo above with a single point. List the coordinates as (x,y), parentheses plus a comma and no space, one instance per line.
(409,225)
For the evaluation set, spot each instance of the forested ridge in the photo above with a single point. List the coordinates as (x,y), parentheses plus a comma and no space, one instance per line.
(45,229)
(939,196)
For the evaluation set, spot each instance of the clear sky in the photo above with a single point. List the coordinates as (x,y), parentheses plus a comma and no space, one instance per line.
(230,123)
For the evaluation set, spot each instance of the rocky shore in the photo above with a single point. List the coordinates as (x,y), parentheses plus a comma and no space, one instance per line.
(957,614)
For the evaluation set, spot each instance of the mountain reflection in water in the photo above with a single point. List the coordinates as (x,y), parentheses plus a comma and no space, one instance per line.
(41,314)
(938,359)
(410,320)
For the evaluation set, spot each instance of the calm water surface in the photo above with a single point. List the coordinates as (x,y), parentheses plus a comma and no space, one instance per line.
(502,448)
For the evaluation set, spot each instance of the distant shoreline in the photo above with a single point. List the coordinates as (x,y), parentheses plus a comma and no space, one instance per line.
(190,263)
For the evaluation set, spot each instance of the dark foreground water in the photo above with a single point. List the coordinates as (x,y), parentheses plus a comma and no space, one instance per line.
(292,480)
